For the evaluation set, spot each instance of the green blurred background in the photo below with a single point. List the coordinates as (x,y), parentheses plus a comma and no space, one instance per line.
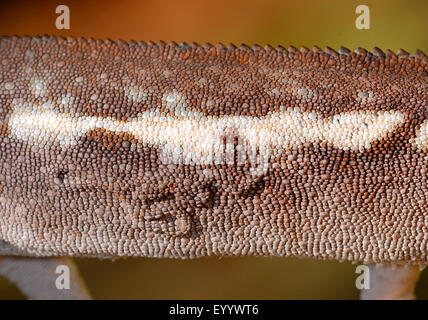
(393,25)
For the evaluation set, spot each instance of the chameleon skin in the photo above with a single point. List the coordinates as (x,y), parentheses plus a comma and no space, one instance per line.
(104,193)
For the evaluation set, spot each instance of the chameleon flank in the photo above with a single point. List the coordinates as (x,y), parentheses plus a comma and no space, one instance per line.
(112,149)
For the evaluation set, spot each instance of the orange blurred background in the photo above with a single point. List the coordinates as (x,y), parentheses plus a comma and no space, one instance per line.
(394,24)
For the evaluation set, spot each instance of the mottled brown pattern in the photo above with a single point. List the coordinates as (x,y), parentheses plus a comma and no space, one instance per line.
(110,196)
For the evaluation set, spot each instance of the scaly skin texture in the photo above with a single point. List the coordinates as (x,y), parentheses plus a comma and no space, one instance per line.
(335,176)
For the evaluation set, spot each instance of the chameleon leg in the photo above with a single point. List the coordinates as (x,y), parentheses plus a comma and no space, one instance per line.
(391,283)
(36,277)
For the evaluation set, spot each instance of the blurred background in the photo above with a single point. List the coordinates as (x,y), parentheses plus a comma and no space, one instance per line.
(394,24)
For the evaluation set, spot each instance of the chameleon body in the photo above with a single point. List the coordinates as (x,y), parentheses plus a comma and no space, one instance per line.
(112,149)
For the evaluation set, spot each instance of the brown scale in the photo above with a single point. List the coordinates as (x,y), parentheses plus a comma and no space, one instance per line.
(111,140)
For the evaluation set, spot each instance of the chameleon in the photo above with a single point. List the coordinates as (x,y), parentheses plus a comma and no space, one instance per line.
(112,149)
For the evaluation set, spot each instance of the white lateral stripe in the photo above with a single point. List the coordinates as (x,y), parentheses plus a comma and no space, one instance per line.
(201,138)
(421,140)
